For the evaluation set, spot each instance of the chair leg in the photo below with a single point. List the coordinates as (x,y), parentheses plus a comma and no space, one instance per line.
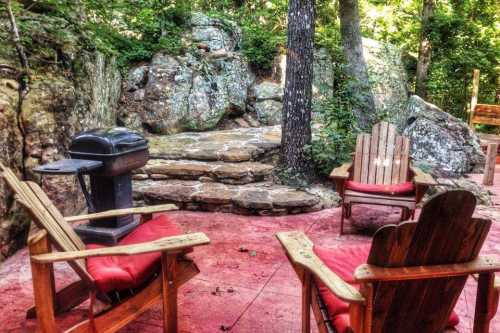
(43,284)
(486,303)
(169,293)
(342,214)
(67,298)
(306,302)
(348,211)
(405,214)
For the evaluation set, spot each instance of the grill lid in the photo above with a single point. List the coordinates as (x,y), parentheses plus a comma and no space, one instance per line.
(107,141)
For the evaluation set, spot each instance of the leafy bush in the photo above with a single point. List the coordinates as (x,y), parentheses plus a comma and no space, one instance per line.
(259,45)
(334,141)
(333,144)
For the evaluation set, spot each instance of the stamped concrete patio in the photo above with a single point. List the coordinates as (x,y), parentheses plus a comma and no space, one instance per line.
(246,283)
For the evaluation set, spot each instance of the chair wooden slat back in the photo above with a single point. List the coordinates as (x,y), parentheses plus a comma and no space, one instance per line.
(382,157)
(445,233)
(47,216)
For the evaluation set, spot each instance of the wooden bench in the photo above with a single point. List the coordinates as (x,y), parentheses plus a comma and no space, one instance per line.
(487,114)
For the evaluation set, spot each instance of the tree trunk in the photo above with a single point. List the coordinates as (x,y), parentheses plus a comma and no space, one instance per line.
(15,37)
(296,116)
(424,49)
(356,64)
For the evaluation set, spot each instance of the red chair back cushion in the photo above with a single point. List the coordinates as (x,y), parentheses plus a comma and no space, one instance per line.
(127,272)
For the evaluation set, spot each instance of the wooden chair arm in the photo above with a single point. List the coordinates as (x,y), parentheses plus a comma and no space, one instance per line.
(299,249)
(370,273)
(122,212)
(342,171)
(422,178)
(165,244)
(496,284)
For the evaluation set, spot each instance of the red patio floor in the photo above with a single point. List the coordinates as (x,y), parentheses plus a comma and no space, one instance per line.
(254,290)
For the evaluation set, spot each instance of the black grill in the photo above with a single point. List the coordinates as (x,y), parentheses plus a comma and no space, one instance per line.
(108,156)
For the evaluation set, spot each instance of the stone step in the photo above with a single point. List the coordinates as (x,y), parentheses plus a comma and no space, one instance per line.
(218,171)
(262,198)
(237,145)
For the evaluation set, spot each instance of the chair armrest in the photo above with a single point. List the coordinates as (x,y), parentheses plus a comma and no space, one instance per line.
(165,244)
(299,249)
(122,212)
(422,178)
(342,171)
(371,273)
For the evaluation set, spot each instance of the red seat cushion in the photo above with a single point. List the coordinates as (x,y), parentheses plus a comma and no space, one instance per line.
(392,189)
(125,272)
(343,261)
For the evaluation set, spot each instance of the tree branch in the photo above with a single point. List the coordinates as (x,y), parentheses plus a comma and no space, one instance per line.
(15,37)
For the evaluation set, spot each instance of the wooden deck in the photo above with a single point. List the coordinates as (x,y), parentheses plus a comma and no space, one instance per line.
(246,283)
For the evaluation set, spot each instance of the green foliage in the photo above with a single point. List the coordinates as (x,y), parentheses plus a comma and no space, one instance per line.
(465,35)
(259,45)
(334,142)
(131,30)
(263,26)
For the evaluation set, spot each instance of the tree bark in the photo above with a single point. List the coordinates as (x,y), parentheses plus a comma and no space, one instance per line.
(424,49)
(356,64)
(296,116)
(15,37)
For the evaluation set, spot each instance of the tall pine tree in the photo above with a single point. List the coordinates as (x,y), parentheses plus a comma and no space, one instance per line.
(356,64)
(297,100)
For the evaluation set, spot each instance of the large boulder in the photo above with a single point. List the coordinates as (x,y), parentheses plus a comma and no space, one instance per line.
(11,228)
(214,33)
(192,92)
(268,102)
(441,142)
(185,93)
(323,75)
(388,79)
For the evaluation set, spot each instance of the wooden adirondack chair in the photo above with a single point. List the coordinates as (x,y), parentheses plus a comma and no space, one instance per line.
(412,276)
(122,306)
(381,174)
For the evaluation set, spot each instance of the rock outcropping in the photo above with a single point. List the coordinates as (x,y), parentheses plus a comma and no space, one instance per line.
(193,92)
(442,142)
(80,91)
(388,80)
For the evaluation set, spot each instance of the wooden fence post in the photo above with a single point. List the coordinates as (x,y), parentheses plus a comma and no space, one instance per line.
(489,168)
(475,91)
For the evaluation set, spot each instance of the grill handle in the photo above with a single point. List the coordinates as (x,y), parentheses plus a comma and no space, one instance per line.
(133,143)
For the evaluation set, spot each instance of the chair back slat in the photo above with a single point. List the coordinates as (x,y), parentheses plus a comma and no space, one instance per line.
(404,159)
(365,163)
(389,154)
(384,156)
(372,168)
(358,157)
(381,156)
(69,232)
(445,233)
(396,166)
(46,216)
